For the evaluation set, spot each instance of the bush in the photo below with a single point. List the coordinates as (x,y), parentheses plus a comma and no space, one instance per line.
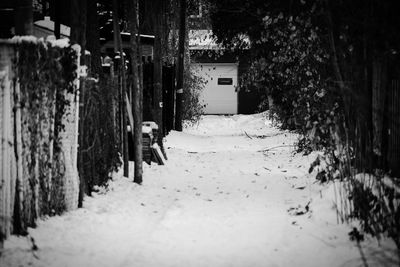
(289,68)
(193,108)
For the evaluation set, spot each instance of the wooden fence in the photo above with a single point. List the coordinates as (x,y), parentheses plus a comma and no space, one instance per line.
(8,159)
(393,128)
(38,130)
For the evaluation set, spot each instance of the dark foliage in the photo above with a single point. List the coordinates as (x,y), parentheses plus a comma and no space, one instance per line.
(99,138)
(45,74)
(193,107)
(329,68)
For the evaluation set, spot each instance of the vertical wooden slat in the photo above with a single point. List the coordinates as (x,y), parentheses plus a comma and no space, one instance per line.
(7,142)
(75,104)
(379,91)
(394,128)
(18,222)
(390,124)
(7,157)
(396,123)
(12,163)
(3,201)
(21,202)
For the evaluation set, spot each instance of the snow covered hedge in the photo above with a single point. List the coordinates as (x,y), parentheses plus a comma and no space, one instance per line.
(39,121)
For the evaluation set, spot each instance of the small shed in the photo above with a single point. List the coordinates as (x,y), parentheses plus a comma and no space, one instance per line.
(221,69)
(220,91)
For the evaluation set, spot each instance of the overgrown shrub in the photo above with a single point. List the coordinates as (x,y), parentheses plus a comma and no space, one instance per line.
(289,69)
(46,73)
(99,132)
(193,108)
(293,67)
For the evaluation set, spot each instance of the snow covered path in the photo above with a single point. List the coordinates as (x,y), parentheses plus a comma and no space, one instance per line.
(219,201)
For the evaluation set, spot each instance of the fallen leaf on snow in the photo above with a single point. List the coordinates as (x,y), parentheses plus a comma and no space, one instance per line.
(299,210)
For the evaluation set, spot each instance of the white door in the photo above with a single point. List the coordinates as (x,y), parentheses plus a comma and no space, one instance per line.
(219,94)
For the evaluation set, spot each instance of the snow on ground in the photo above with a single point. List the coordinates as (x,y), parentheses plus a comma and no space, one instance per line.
(219,201)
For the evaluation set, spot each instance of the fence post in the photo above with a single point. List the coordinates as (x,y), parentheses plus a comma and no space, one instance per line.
(379,87)
(7,156)
(394,128)
(69,140)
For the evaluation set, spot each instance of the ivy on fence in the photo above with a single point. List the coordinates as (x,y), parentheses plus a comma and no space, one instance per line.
(43,76)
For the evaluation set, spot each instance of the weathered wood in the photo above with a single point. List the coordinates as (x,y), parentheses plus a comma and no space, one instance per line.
(137,86)
(8,168)
(158,25)
(26,155)
(118,47)
(379,88)
(393,130)
(129,111)
(78,23)
(335,60)
(157,154)
(19,206)
(78,35)
(93,39)
(5,155)
(181,60)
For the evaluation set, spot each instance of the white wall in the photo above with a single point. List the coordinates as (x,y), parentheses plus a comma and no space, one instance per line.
(219,99)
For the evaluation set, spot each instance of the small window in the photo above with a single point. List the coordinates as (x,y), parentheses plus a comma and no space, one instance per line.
(225,81)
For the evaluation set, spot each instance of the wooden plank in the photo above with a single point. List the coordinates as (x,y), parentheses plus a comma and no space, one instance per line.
(130,115)
(6,151)
(3,221)
(158,155)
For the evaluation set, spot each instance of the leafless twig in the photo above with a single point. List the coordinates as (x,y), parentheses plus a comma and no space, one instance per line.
(248,135)
(270,148)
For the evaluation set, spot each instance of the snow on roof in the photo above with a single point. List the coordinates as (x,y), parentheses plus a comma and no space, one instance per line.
(204,40)
(48,24)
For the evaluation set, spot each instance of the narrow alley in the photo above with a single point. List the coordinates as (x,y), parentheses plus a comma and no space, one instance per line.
(233,193)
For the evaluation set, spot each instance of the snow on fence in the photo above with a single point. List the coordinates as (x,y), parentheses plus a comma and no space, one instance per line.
(39,107)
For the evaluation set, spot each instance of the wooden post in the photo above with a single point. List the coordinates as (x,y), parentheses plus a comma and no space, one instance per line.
(78,26)
(158,105)
(118,45)
(5,177)
(24,17)
(379,89)
(93,39)
(19,206)
(136,63)
(78,35)
(57,19)
(8,168)
(181,57)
